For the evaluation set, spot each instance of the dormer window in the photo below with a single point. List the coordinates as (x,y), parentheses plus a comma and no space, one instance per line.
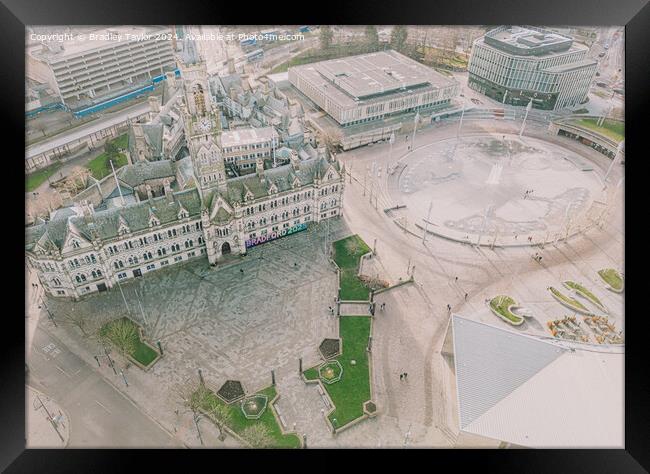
(183,214)
(153,222)
(75,244)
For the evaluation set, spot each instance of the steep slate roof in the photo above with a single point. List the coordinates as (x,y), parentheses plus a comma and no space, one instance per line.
(282,176)
(136,174)
(153,133)
(105,223)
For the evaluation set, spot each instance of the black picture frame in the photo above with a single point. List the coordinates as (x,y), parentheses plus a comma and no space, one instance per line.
(15,14)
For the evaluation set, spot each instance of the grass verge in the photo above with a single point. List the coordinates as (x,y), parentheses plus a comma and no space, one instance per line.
(35,179)
(347,253)
(238,422)
(501,304)
(572,302)
(353,390)
(612,278)
(141,352)
(584,292)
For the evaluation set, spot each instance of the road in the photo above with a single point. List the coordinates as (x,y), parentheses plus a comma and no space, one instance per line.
(106,120)
(100,416)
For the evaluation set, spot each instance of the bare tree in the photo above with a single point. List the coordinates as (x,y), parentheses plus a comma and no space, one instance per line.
(257,435)
(220,414)
(122,333)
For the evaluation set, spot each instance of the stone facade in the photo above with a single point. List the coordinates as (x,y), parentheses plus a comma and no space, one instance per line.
(101,241)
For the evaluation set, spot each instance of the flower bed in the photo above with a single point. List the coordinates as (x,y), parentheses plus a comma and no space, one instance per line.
(612,278)
(502,306)
(569,302)
(330,372)
(253,407)
(585,293)
(239,423)
(330,348)
(231,391)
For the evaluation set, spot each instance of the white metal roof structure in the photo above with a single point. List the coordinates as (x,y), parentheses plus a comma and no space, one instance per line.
(530,392)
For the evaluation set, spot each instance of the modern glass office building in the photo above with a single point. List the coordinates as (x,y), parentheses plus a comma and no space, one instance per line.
(516,64)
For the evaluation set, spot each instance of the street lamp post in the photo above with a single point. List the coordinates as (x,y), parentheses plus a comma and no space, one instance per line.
(415,129)
(426,223)
(523,124)
(617,158)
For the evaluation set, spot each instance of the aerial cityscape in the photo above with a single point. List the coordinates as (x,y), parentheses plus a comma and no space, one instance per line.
(319,236)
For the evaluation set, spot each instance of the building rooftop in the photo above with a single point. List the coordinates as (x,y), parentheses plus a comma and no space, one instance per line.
(246,136)
(347,81)
(537,393)
(529,41)
(101,38)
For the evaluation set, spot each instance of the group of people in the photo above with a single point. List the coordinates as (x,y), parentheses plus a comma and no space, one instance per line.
(403,375)
(537,257)
(527,193)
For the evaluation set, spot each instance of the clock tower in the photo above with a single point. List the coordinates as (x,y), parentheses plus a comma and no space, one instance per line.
(201,119)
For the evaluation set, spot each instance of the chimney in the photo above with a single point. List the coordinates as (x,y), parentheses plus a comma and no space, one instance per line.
(259,167)
(171,79)
(154,103)
(295,160)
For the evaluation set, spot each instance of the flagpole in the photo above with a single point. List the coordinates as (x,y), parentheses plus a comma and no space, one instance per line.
(528,107)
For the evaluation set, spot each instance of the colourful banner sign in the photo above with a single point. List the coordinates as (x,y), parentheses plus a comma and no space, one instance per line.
(275,235)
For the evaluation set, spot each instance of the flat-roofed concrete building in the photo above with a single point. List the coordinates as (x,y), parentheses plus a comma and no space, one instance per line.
(104,63)
(242,147)
(517,64)
(372,87)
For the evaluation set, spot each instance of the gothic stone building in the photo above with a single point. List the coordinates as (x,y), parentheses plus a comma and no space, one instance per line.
(80,250)
(86,248)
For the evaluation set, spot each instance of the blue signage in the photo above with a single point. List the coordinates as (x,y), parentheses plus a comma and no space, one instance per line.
(275,235)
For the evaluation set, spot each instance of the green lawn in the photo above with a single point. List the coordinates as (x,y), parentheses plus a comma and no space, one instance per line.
(612,129)
(584,292)
(239,422)
(353,390)
(500,304)
(122,141)
(567,299)
(144,354)
(612,278)
(347,253)
(100,167)
(35,179)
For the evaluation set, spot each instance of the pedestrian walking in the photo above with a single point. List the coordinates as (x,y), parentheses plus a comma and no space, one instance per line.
(456,279)
(241,270)
(406,375)
(330,309)
(465,296)
(401,376)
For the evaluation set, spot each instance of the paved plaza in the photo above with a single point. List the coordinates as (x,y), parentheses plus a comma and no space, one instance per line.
(494,185)
(263,311)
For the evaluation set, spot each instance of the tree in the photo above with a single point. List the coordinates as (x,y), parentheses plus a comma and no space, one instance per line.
(398,37)
(123,334)
(220,414)
(77,319)
(326,35)
(372,37)
(257,435)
